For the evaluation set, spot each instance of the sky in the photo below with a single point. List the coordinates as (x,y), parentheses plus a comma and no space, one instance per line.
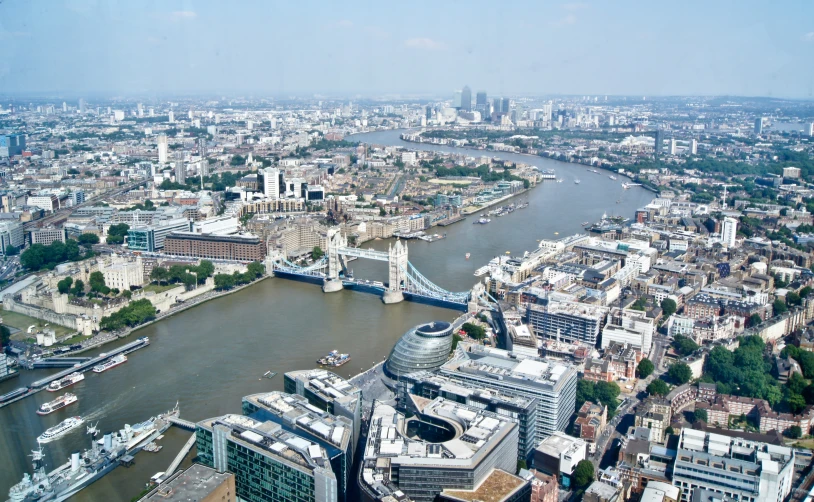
(375,48)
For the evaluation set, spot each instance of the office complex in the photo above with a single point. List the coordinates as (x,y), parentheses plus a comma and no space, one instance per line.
(215,247)
(151,238)
(451,447)
(430,386)
(658,146)
(272,183)
(733,467)
(569,322)
(558,455)
(552,384)
(180,168)
(11,145)
(629,327)
(759,125)
(327,391)
(46,236)
(422,348)
(11,234)
(295,414)
(268,462)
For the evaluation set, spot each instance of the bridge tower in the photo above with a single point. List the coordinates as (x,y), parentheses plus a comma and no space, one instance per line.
(336,240)
(397,264)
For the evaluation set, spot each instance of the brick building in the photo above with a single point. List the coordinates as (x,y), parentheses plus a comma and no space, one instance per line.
(215,247)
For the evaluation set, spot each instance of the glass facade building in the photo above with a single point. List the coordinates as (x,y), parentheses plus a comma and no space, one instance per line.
(423,348)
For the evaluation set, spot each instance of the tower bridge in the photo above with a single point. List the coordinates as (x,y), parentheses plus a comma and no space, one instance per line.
(404,280)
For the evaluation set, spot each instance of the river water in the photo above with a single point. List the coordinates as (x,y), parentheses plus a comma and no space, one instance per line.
(209,356)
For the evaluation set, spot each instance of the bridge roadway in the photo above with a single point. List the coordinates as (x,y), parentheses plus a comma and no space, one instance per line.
(41,384)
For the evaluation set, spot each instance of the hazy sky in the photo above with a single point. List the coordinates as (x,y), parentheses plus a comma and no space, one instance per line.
(753,48)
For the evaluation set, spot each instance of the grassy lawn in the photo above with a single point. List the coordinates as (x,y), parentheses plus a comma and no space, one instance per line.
(22,322)
(159,289)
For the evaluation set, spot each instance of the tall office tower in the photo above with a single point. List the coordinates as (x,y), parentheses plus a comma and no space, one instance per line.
(504,105)
(204,168)
(428,112)
(163,149)
(457,99)
(466,99)
(171,117)
(811,130)
(759,125)
(140,108)
(480,98)
(517,114)
(64,106)
(729,231)
(180,168)
(202,147)
(693,146)
(271,182)
(546,115)
(673,146)
(81,105)
(659,144)
(152,112)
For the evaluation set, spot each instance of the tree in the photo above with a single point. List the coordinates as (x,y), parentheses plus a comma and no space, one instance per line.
(668,306)
(680,373)
(88,239)
(583,474)
(116,233)
(256,269)
(474,331)
(684,345)
(11,250)
(97,282)
(159,275)
(669,430)
(754,320)
(127,294)
(456,338)
(317,253)
(699,415)
(779,306)
(805,292)
(794,432)
(78,288)
(64,286)
(224,281)
(658,387)
(645,368)
(793,298)
(206,268)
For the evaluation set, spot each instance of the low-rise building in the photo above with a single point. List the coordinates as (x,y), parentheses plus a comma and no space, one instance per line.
(198,482)
(558,455)
(215,247)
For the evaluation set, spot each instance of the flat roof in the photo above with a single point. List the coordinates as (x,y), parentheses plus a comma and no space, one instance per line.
(195,483)
(496,487)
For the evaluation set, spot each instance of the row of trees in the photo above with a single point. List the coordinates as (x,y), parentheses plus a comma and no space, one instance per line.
(605,393)
(228,281)
(137,312)
(39,256)
(188,275)
(116,233)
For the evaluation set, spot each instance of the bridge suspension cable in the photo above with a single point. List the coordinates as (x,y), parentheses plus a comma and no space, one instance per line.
(417,283)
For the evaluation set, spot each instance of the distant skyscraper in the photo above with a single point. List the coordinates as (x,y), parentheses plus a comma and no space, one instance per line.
(81,105)
(482,105)
(140,108)
(271,182)
(428,112)
(759,125)
(456,99)
(202,147)
(811,130)
(466,99)
(504,105)
(693,146)
(163,149)
(180,168)
(673,147)
(64,106)
(729,231)
(480,99)
(659,144)
(171,117)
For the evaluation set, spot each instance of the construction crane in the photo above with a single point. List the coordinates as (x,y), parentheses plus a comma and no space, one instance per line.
(725,187)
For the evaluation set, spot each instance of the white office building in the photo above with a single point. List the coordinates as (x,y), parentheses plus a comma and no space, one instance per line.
(630,327)
(733,467)
(271,182)
(11,234)
(729,232)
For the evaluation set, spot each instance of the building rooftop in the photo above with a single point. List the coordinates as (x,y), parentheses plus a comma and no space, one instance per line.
(498,364)
(195,483)
(499,485)
(295,409)
(559,443)
(327,385)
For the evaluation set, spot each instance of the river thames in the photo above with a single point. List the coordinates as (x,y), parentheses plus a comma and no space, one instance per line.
(209,356)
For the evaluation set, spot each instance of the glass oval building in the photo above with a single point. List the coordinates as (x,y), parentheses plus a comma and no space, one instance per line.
(424,348)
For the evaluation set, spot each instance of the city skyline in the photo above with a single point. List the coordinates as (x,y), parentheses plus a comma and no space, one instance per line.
(553,49)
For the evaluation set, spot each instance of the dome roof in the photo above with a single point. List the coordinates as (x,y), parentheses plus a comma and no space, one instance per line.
(423,348)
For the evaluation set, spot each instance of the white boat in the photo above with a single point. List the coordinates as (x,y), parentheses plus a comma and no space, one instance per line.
(60,429)
(57,404)
(612,177)
(110,363)
(467,256)
(577,181)
(65,382)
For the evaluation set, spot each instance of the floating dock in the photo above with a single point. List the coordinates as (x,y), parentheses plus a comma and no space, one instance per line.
(89,363)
